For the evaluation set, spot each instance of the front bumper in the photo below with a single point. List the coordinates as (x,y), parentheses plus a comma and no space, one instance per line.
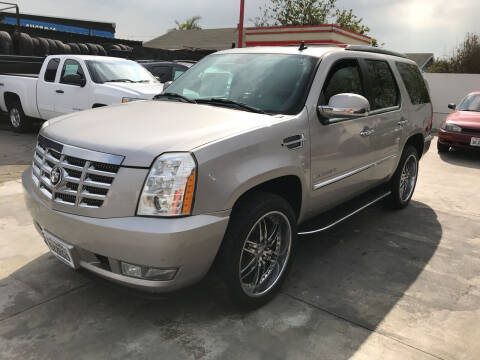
(189,244)
(458,140)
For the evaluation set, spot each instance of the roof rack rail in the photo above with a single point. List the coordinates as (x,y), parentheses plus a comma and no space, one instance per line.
(376,50)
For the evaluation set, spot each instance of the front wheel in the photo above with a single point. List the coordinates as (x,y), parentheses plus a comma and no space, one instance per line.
(18,120)
(404,180)
(258,249)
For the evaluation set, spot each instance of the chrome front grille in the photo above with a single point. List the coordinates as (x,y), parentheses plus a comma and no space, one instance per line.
(84,181)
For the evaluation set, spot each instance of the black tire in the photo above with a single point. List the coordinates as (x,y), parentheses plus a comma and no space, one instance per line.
(122,47)
(93,50)
(101,50)
(21,123)
(67,48)
(36,46)
(6,44)
(442,148)
(25,44)
(43,46)
(399,199)
(74,48)
(84,50)
(243,222)
(60,47)
(52,47)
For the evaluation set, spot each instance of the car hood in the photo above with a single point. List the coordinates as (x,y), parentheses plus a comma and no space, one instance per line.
(142,130)
(143,91)
(468,119)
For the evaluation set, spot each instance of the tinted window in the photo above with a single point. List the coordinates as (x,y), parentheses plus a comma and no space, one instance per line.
(164,73)
(177,72)
(274,83)
(51,70)
(383,88)
(414,82)
(344,77)
(71,67)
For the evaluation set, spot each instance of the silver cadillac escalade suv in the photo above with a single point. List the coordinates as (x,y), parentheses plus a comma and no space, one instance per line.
(229,165)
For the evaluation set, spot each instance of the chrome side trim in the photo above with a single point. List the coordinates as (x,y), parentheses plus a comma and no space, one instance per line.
(351,173)
(343,176)
(345,217)
(385,159)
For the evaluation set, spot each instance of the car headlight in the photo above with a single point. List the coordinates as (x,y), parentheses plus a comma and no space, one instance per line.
(451,127)
(170,186)
(128,99)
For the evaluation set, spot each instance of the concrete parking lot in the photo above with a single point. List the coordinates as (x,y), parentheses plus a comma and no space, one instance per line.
(383,285)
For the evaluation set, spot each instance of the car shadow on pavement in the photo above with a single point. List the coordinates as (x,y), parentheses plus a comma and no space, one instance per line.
(462,157)
(342,285)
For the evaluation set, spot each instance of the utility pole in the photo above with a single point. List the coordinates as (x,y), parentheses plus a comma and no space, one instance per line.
(240,24)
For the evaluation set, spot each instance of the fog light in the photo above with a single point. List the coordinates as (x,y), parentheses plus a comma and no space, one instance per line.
(147,273)
(131,270)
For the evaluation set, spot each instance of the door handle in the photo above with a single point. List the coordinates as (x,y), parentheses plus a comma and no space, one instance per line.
(367,131)
(59,91)
(402,122)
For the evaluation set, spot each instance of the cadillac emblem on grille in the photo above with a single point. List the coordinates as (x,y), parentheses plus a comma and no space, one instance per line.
(68,175)
(56,176)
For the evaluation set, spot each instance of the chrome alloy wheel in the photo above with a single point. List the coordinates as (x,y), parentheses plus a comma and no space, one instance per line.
(408,177)
(15,118)
(265,253)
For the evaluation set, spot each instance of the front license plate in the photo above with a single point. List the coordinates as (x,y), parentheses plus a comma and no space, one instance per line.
(60,249)
(475,141)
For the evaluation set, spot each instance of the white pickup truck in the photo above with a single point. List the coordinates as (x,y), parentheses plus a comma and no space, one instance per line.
(69,83)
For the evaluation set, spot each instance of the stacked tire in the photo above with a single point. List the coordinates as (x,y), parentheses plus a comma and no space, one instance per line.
(6,44)
(24,44)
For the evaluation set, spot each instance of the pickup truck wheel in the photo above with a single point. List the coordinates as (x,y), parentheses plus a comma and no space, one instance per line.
(18,121)
(258,249)
(404,180)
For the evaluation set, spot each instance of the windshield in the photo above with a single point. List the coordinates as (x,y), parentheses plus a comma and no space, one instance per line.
(102,71)
(470,103)
(273,83)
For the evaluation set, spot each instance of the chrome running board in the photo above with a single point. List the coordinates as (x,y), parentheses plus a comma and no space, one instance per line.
(336,222)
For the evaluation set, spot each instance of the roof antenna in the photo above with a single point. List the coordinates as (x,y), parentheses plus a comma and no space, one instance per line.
(302,46)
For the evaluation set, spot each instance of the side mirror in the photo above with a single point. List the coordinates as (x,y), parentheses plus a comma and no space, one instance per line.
(74,79)
(344,106)
(167,84)
(452,106)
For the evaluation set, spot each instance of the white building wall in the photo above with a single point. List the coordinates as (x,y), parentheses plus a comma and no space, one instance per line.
(449,88)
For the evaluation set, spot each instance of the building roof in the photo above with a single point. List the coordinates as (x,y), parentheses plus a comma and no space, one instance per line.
(209,39)
(420,58)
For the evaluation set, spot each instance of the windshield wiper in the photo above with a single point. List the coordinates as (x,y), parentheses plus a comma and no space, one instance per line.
(172,95)
(231,102)
(120,80)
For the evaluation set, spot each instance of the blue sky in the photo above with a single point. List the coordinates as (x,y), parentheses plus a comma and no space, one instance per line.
(404,25)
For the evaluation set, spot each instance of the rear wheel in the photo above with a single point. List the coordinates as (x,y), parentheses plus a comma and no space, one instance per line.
(258,249)
(18,120)
(442,148)
(404,180)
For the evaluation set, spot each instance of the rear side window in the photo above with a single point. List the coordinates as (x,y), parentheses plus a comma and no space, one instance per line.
(383,87)
(51,70)
(414,82)
(164,73)
(344,77)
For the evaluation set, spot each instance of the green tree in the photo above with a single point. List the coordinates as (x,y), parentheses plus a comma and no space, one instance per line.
(310,12)
(465,59)
(189,24)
